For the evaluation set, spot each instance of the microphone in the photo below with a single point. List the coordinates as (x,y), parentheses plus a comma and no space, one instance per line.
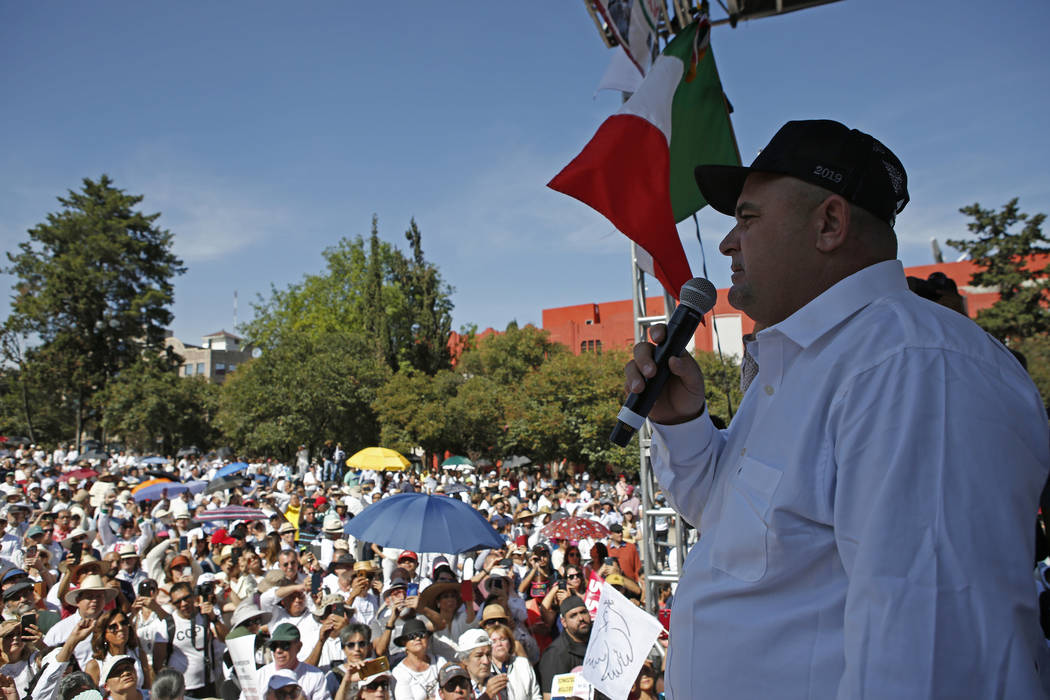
(697,298)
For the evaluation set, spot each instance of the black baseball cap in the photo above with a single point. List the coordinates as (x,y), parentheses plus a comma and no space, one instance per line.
(821,152)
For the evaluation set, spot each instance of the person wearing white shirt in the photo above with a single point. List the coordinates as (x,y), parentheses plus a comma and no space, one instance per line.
(870,505)
(287,647)
(89,599)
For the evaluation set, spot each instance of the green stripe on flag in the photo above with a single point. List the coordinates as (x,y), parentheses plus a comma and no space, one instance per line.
(701,133)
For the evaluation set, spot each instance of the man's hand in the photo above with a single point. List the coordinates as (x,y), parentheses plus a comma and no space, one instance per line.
(496,684)
(359,587)
(682,398)
(412,601)
(7,687)
(81,631)
(208,609)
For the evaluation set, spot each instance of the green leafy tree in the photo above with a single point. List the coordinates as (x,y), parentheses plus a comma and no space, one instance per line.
(508,357)
(368,288)
(304,390)
(152,409)
(1006,245)
(721,383)
(411,410)
(94,286)
(567,408)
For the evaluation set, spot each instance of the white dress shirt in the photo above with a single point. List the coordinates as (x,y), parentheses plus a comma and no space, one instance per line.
(867,519)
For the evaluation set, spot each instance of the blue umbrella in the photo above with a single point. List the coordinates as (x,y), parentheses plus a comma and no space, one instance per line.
(424,523)
(154,460)
(156,491)
(231,469)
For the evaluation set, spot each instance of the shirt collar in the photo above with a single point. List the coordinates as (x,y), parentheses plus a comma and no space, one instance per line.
(840,301)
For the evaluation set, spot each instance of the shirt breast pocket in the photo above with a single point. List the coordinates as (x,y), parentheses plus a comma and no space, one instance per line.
(739,547)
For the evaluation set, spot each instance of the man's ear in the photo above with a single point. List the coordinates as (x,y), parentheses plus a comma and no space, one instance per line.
(832,219)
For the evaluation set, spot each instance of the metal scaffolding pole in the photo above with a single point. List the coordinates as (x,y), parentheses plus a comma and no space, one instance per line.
(663,556)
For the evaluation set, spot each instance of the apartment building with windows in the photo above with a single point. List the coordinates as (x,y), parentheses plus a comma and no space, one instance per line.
(218,355)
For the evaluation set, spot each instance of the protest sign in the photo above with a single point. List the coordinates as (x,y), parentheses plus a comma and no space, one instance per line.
(622,636)
(242,652)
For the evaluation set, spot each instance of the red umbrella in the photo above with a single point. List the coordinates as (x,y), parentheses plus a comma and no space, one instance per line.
(574,528)
(78,474)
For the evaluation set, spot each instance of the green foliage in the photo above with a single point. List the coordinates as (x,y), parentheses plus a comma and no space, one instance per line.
(94,285)
(508,357)
(566,409)
(304,390)
(411,409)
(722,383)
(369,289)
(1036,351)
(1005,256)
(152,409)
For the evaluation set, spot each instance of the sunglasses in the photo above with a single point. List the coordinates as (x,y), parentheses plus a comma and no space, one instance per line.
(494,621)
(117,626)
(280,646)
(456,684)
(570,576)
(183,599)
(378,685)
(414,636)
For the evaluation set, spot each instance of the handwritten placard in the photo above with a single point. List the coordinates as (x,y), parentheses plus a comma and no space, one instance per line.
(621,638)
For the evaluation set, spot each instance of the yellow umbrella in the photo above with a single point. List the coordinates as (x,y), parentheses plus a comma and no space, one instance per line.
(378,459)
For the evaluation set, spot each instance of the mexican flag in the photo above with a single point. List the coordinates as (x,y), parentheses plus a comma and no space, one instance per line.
(637,170)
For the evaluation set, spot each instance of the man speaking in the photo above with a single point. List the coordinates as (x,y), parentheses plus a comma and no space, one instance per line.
(866,519)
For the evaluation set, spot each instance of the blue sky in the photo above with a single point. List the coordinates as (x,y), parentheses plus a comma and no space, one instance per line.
(265,131)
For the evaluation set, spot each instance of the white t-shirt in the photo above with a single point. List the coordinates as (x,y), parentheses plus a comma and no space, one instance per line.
(309,678)
(416,685)
(63,630)
(187,650)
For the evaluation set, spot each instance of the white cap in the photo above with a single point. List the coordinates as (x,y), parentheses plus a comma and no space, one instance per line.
(110,662)
(472,639)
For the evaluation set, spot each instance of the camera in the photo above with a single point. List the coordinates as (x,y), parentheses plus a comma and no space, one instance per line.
(205,591)
(146,588)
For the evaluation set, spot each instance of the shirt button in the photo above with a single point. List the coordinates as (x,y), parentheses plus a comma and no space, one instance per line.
(769,390)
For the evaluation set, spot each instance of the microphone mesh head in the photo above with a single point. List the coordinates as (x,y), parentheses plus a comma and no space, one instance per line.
(699,294)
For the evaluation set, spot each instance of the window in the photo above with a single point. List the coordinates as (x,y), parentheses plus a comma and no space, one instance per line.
(583,346)
(187,370)
(220,368)
(598,345)
(231,367)
(200,368)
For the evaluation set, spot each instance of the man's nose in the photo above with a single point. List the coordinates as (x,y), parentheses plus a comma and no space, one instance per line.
(729,243)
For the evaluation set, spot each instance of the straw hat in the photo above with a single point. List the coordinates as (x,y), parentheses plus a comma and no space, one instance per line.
(91,582)
(87,561)
(428,598)
(247,611)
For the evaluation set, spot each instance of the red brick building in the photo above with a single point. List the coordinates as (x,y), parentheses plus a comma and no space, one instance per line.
(591,327)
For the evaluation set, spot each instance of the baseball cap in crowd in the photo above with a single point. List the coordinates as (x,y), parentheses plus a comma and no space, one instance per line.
(616,527)
(821,152)
(451,671)
(285,632)
(408,555)
(222,536)
(178,562)
(282,678)
(114,664)
(570,604)
(472,639)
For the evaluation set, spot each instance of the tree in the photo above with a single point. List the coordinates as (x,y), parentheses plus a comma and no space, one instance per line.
(369,289)
(721,384)
(567,408)
(152,409)
(508,357)
(94,285)
(1008,261)
(304,390)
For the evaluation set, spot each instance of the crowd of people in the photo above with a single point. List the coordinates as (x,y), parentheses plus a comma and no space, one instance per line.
(108,594)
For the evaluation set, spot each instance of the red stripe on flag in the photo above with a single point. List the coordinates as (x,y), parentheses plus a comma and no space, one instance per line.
(623,173)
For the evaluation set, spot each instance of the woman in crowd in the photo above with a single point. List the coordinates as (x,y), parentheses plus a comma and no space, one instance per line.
(356,639)
(415,678)
(631,528)
(521,679)
(115,636)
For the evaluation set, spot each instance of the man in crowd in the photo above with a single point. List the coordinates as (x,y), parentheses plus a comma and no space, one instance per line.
(475,655)
(286,647)
(567,651)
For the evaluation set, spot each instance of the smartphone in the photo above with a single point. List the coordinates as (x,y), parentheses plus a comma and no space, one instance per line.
(609,560)
(183,543)
(411,590)
(28,620)
(315,582)
(466,591)
(370,668)
(145,588)
(76,550)
(236,553)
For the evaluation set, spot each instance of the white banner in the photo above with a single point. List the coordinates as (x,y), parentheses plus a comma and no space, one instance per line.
(242,651)
(622,636)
